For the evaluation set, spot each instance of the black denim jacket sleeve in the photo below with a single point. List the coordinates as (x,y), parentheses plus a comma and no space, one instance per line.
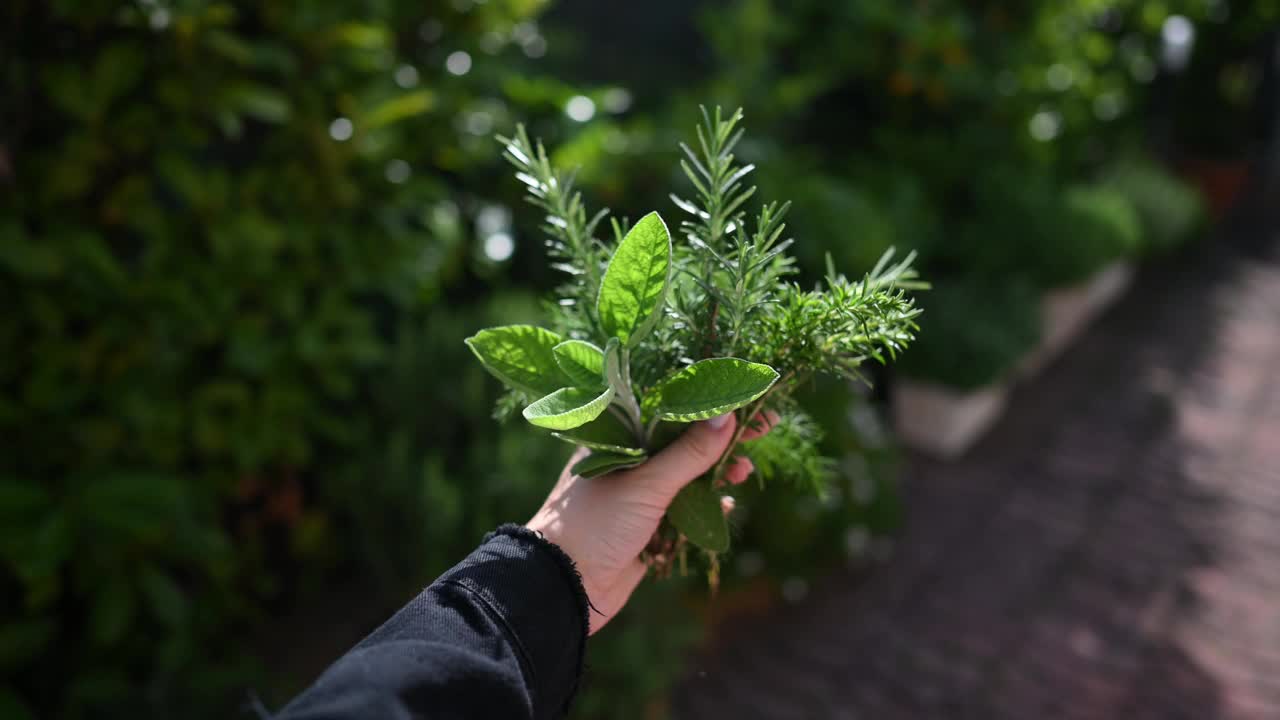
(500,635)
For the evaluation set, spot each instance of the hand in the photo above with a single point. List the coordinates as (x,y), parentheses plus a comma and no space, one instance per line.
(605,522)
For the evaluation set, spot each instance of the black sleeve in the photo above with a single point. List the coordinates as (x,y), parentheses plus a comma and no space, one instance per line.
(501,635)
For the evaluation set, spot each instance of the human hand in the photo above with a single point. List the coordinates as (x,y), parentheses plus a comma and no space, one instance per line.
(604,523)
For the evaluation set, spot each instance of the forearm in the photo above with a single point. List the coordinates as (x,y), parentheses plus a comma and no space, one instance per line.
(499,635)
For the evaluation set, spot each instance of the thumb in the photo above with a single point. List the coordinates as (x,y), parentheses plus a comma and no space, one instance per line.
(692,454)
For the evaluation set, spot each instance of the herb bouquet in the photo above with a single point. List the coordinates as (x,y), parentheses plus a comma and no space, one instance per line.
(656,334)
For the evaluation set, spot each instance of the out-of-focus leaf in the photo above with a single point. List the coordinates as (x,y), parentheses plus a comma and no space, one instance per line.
(260,102)
(163,598)
(399,108)
(22,639)
(12,706)
(113,611)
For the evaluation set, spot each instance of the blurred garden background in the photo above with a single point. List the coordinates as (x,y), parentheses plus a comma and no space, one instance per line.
(241,244)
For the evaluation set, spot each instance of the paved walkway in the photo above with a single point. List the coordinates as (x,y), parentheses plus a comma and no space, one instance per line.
(1111,550)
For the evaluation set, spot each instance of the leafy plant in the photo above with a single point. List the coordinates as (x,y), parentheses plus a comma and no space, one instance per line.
(1169,209)
(973,333)
(656,334)
(945,116)
(219,224)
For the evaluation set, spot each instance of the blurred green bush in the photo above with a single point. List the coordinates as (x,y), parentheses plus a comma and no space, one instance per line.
(241,245)
(1002,141)
(226,233)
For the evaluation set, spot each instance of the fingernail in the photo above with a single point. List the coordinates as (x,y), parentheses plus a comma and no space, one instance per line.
(719,421)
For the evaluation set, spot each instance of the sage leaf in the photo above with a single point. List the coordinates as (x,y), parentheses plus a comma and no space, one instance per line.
(581,361)
(568,408)
(606,433)
(696,513)
(634,286)
(711,387)
(522,356)
(600,463)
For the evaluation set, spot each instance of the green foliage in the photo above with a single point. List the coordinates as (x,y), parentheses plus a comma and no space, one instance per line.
(794,436)
(1170,211)
(522,356)
(1219,99)
(1104,226)
(222,231)
(634,287)
(581,362)
(972,333)
(975,132)
(709,388)
(1030,227)
(600,463)
(569,407)
(697,514)
(659,306)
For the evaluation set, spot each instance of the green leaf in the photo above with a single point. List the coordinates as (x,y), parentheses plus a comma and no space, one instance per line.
(635,283)
(582,362)
(166,601)
(711,387)
(568,408)
(600,463)
(606,433)
(12,705)
(696,513)
(113,610)
(522,356)
(399,108)
(23,639)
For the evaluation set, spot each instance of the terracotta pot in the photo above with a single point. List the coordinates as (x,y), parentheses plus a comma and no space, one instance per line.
(1219,180)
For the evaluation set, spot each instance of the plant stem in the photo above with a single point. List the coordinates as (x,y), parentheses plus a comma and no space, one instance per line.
(627,398)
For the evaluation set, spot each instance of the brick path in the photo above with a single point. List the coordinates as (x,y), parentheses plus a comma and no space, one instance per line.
(1111,550)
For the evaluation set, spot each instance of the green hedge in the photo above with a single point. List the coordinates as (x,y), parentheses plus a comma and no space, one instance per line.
(224,232)
(241,244)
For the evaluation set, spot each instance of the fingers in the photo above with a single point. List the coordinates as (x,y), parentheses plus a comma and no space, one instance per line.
(692,454)
(761,424)
(739,471)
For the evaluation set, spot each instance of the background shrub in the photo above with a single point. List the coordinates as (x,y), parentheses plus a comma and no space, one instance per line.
(225,232)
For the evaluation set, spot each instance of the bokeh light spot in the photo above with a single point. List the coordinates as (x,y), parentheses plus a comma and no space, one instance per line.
(1059,77)
(1045,125)
(406,76)
(458,63)
(499,246)
(341,129)
(398,171)
(580,108)
(616,100)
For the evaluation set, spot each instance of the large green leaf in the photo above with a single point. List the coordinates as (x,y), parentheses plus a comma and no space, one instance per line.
(696,513)
(582,362)
(568,408)
(600,463)
(711,387)
(606,433)
(522,356)
(635,284)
